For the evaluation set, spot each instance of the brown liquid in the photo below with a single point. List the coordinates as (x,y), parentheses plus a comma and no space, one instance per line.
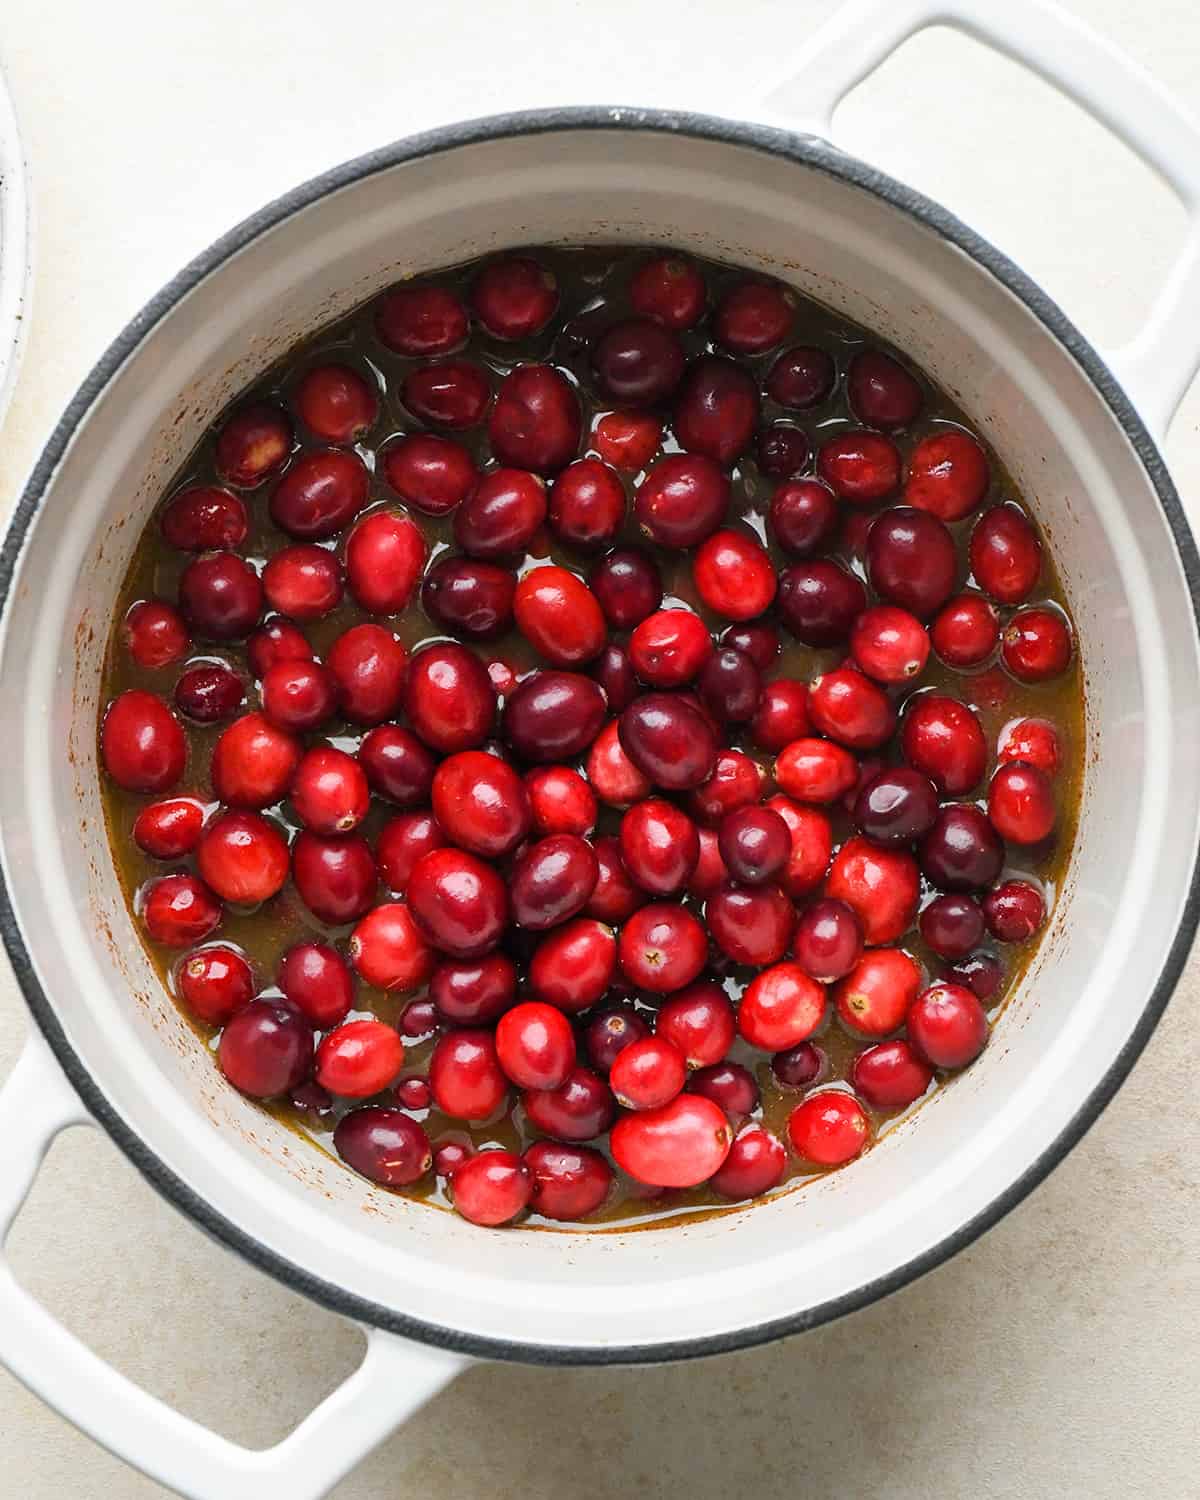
(594,291)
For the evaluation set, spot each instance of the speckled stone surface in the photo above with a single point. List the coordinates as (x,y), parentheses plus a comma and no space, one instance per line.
(1056,1356)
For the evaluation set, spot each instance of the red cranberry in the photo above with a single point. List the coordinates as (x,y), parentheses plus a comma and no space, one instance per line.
(243,857)
(627,440)
(514,297)
(384,1145)
(278,640)
(948,475)
(266,1049)
(728,1085)
(736,782)
(851,709)
(941,738)
(253,443)
(535,1045)
(335,877)
(336,404)
(829,1128)
(253,763)
(397,764)
(614,777)
(647,1074)
(781,450)
(782,1006)
(465,1075)
(759,641)
(179,911)
(750,924)
(580,1109)
(828,941)
(668,740)
(503,514)
(662,947)
(669,289)
(755,1164)
(801,377)
(536,422)
(569,1182)
(221,596)
(203,518)
(1021,803)
(947,1026)
(1006,556)
(890,1075)
(813,770)
(615,896)
(559,616)
(299,695)
(820,601)
(572,967)
(315,979)
(781,715)
(481,803)
(889,644)
(368,664)
(627,584)
(659,846)
(682,500)
(385,556)
(587,504)
(387,949)
(402,842)
(1014,912)
(155,633)
(609,1032)
(552,881)
(208,693)
(320,494)
(882,393)
(911,560)
(966,631)
(980,973)
(215,983)
(414,1093)
(882,885)
(449,699)
(458,902)
(754,316)
(474,991)
(170,829)
(553,716)
(1036,645)
(329,791)
(754,843)
(952,925)
(303,582)
(962,851)
(431,473)
(560,801)
(812,846)
(637,363)
(421,321)
(669,648)
(419,1019)
(798,1066)
(1032,740)
(716,409)
(861,467)
(450,1155)
(680,1145)
(492,1188)
(359,1058)
(730,686)
(452,394)
(141,742)
(734,575)
(699,1022)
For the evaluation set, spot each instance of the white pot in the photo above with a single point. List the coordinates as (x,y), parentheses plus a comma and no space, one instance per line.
(786,204)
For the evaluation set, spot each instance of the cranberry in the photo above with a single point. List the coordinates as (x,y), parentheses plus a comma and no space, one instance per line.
(243,857)
(1036,645)
(952,925)
(668,740)
(253,763)
(911,560)
(587,504)
(754,316)
(481,803)
(336,404)
(569,1182)
(962,851)
(266,1049)
(669,289)
(492,1188)
(303,582)
(431,473)
(679,1145)
(812,846)
(966,631)
(414,1093)
(758,641)
(141,742)
(851,709)
(798,1066)
(682,500)
(734,575)
(448,698)
(203,518)
(669,647)
(781,450)
(559,616)
(458,902)
(820,601)
(465,1075)
(452,394)
(659,846)
(637,363)
(889,644)
(385,557)
(716,409)
(1006,555)
(736,781)
(315,979)
(215,983)
(627,584)
(578,1110)
(278,640)
(502,515)
(1014,911)
(729,1085)
(751,924)
(536,422)
(755,844)
(398,765)
(801,377)
(647,1074)
(368,664)
(179,910)
(942,739)
(155,633)
(948,475)
(981,973)
(418,1019)
(813,770)
(553,716)
(875,995)
(502,677)
(208,693)
(803,516)
(828,1128)
(402,842)
(170,829)
(1021,803)
(699,1022)
(615,896)
(384,1145)
(421,321)
(514,297)
(335,877)
(755,1164)
(882,885)
(298,695)
(861,467)
(947,1026)
(320,494)
(1032,740)
(388,951)
(662,947)
(552,881)
(828,941)
(614,777)
(221,596)
(609,1032)
(730,686)
(329,791)
(359,1058)
(890,1075)
(474,991)
(782,1006)
(253,443)
(450,1155)
(881,391)
(627,440)
(560,801)
(781,715)
(535,1045)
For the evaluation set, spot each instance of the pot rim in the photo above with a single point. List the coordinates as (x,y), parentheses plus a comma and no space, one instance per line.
(805,150)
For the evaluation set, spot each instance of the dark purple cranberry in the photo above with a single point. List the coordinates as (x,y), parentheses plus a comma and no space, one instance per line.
(801,377)
(828,940)
(730,685)
(911,560)
(759,641)
(716,409)
(420,1019)
(638,363)
(952,925)
(553,716)
(221,596)
(803,516)
(398,766)
(729,1085)
(384,1145)
(614,672)
(668,740)
(962,851)
(799,1066)
(820,601)
(897,806)
(609,1031)
(981,973)
(882,393)
(209,693)
(469,598)
(782,450)
(754,843)
(628,586)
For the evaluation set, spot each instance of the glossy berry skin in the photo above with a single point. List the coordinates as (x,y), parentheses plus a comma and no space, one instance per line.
(572,966)
(750,924)
(948,475)
(155,633)
(647,1074)
(359,1058)
(502,515)
(758,640)
(813,770)
(169,829)
(448,698)
(849,708)
(587,505)
(828,940)
(221,596)
(889,644)
(1036,645)
(298,696)
(728,1085)
(881,391)
(812,846)
(678,1145)
(801,377)
(952,925)
(609,1032)
(803,516)
(559,616)
(474,991)
(334,877)
(469,598)
(662,947)
(1021,803)
(829,1128)
(459,903)
(860,467)
(947,1026)
(421,321)
(553,716)
(659,846)
(398,766)
(215,983)
(890,1075)
(450,1155)
(384,1145)
(669,648)
(736,781)
(981,973)
(329,791)
(536,421)
(578,1110)
(1006,555)
(492,1188)
(637,362)
(730,686)
(481,803)
(141,743)
(613,776)
(266,1049)
(560,801)
(203,518)
(277,640)
(514,297)
(336,403)
(755,1164)
(552,881)
(966,631)
(911,560)
(819,601)
(628,440)
(315,979)
(668,740)
(179,911)
(465,1075)
(733,575)
(628,586)
(569,1182)
(430,473)
(782,1006)
(943,740)
(206,694)
(682,500)
(896,806)
(874,997)
(716,409)
(320,495)
(385,557)
(781,715)
(755,844)
(962,851)
(369,666)
(452,394)
(1034,741)
(799,1066)
(243,858)
(753,317)
(882,886)
(252,445)
(699,1022)
(781,450)
(1014,911)
(615,896)
(669,289)
(535,1045)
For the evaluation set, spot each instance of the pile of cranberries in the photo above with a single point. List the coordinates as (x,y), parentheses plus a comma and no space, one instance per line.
(456,734)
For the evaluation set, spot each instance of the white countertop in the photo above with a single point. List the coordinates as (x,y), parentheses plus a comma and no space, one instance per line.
(1057,1355)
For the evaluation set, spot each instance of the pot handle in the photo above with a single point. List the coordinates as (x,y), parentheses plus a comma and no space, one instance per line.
(395,1378)
(1157,366)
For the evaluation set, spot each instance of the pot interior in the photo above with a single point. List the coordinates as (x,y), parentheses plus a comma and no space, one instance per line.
(1113,927)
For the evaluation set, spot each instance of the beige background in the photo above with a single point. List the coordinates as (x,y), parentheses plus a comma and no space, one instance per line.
(1058,1355)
